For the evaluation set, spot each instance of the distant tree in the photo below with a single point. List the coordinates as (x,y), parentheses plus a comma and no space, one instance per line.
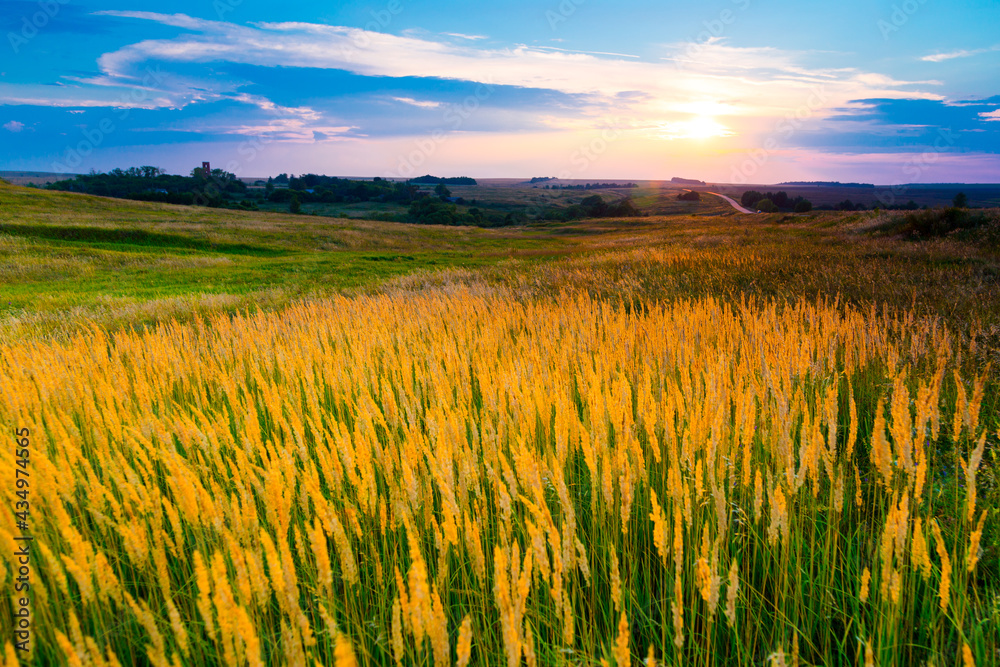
(431,211)
(515,218)
(623,209)
(960,200)
(689,196)
(441,191)
(803,206)
(750,198)
(594,206)
(455,180)
(295,206)
(766,205)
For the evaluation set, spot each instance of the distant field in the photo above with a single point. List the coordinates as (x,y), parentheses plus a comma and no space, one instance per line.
(32,177)
(985,196)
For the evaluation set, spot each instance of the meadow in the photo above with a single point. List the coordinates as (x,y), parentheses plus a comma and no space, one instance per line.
(701,438)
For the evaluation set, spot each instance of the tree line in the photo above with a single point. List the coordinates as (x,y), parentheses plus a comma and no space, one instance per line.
(149,183)
(437,180)
(590,186)
(315,188)
(440,211)
(769,202)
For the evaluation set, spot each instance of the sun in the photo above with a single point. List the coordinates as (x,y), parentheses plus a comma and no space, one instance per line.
(698,127)
(705,127)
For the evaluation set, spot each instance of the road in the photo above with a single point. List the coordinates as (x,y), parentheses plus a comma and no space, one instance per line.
(735,204)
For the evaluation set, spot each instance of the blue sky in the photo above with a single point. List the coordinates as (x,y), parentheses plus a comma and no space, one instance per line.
(757,91)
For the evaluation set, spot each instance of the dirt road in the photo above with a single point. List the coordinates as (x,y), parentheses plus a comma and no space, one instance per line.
(735,204)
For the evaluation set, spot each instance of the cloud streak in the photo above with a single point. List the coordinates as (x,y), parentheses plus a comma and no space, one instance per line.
(961,53)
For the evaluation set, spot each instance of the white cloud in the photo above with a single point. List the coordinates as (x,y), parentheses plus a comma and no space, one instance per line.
(742,89)
(460,35)
(709,71)
(264,104)
(961,53)
(594,53)
(991,115)
(423,104)
(13,126)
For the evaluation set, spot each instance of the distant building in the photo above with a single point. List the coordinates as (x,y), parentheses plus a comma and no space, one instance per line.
(206,167)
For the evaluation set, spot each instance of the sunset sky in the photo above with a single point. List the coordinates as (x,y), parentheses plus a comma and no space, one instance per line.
(757,91)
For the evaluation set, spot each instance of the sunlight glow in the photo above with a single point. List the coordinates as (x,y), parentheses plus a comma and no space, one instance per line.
(699,127)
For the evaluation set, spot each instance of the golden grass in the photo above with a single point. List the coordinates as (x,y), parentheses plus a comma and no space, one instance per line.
(503,474)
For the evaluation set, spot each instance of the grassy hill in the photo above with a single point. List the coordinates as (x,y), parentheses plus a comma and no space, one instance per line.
(62,251)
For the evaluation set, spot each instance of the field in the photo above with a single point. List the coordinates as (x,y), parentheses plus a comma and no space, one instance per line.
(689,438)
(980,195)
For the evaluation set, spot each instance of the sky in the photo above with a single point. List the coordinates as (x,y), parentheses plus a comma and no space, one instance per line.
(737,91)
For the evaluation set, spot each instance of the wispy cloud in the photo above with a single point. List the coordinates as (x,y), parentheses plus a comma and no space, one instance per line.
(460,35)
(13,126)
(961,53)
(305,113)
(593,53)
(991,115)
(423,104)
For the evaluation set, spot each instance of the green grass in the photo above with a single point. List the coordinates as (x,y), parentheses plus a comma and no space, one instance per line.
(61,251)
(66,258)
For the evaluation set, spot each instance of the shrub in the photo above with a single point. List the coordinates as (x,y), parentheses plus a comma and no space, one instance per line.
(940,221)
